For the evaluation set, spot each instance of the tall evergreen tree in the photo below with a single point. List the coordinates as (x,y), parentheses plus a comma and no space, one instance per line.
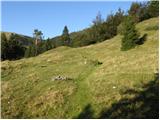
(130,35)
(65,37)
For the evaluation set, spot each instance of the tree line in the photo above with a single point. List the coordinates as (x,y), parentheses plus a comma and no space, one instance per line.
(100,30)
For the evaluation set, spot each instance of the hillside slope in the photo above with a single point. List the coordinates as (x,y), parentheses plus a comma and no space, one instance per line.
(24,40)
(104,81)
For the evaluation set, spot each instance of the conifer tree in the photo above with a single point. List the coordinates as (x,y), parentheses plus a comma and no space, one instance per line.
(130,35)
(65,37)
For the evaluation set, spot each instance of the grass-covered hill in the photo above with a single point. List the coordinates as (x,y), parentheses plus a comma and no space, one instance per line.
(100,81)
(23,39)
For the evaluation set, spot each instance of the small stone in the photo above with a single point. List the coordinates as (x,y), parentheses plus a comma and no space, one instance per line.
(61,78)
(114,87)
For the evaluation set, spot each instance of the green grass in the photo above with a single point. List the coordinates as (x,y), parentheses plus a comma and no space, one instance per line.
(28,90)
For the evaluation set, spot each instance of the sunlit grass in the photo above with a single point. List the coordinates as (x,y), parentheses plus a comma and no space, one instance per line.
(28,90)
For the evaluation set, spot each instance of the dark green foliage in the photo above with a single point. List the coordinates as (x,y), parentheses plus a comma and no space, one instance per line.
(96,29)
(112,22)
(4,46)
(98,32)
(80,39)
(41,47)
(24,40)
(28,52)
(130,35)
(109,27)
(153,8)
(142,11)
(48,45)
(102,30)
(44,46)
(31,51)
(139,11)
(65,38)
(11,49)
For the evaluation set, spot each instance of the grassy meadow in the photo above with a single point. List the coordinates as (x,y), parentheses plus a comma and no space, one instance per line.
(105,82)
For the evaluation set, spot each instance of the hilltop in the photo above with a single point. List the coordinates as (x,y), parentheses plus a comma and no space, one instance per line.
(104,82)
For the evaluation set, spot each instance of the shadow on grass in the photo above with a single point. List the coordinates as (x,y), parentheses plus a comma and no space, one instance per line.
(142,39)
(87,113)
(145,104)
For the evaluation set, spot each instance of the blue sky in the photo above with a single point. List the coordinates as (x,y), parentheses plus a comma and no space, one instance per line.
(51,17)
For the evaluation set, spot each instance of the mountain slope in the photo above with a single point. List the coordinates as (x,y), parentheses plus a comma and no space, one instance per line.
(24,40)
(100,75)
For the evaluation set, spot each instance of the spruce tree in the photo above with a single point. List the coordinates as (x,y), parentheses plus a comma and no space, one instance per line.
(130,35)
(65,37)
